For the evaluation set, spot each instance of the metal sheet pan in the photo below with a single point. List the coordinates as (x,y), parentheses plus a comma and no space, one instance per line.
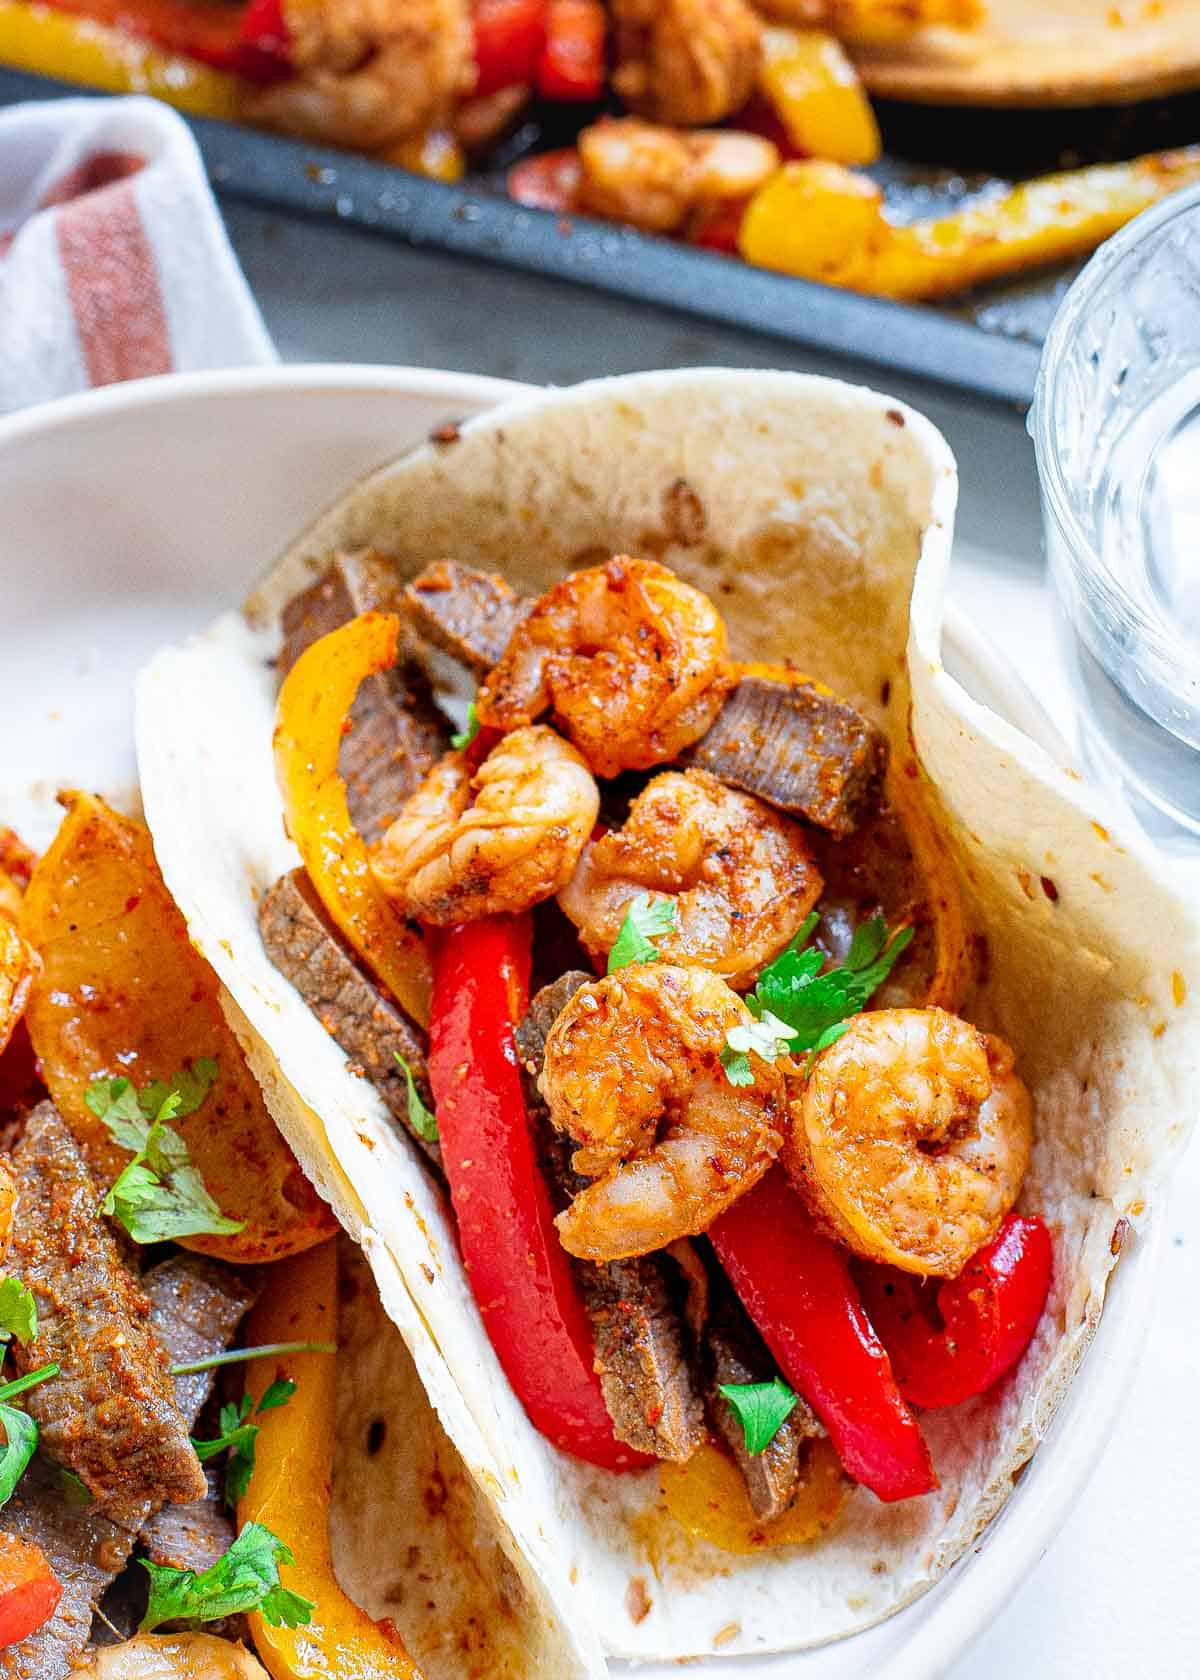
(988,346)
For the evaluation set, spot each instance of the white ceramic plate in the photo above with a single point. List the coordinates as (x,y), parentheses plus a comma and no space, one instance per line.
(132,515)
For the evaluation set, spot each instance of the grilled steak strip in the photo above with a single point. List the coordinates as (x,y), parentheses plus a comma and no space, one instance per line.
(192,1536)
(397,732)
(634,1305)
(111,1416)
(799,748)
(356,1014)
(739,1355)
(196,1306)
(469,615)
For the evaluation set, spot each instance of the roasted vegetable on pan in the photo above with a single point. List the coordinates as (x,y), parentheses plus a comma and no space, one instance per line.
(726,123)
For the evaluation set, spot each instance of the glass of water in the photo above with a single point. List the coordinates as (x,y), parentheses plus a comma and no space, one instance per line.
(1116,427)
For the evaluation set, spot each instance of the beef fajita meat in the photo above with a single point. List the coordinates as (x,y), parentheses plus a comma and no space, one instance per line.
(196,1306)
(738,1354)
(355,1013)
(111,1415)
(469,615)
(192,1536)
(798,747)
(397,732)
(642,1347)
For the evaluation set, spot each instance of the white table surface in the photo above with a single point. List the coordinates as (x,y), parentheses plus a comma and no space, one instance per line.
(1117,1595)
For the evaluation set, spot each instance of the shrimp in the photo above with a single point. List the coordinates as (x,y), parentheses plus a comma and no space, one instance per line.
(910,1138)
(686,61)
(633,1073)
(174,1656)
(655,177)
(632,661)
(493,842)
(740,875)
(20,966)
(369,72)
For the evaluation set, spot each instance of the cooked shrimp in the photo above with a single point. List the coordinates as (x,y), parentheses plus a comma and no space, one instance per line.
(369,72)
(910,1138)
(174,1656)
(686,61)
(494,842)
(633,1073)
(655,177)
(632,662)
(19,968)
(740,875)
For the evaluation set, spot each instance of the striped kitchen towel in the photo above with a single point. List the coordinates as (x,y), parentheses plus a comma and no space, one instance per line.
(114,262)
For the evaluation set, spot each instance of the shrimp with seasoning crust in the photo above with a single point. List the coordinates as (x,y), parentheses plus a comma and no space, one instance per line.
(632,662)
(369,72)
(633,1073)
(494,842)
(910,1138)
(740,875)
(686,61)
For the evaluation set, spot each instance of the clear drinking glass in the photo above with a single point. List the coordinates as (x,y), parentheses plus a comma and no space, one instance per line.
(1116,427)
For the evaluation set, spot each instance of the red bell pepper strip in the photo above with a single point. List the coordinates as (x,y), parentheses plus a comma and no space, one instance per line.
(251,41)
(951,1338)
(796,1286)
(509,35)
(29,1590)
(518,1270)
(549,181)
(572,66)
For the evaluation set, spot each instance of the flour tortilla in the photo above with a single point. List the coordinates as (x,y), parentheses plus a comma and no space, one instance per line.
(819,502)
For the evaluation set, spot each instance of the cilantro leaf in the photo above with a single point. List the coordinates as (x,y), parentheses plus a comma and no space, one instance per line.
(20,1444)
(246,1578)
(762,1409)
(469,731)
(20,1431)
(815,1007)
(239,1437)
(74,1493)
(737,1067)
(422,1120)
(645,919)
(159,1196)
(18,1312)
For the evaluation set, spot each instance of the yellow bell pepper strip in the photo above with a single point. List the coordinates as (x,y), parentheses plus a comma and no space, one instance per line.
(310,722)
(814,90)
(435,154)
(822,222)
(289,1491)
(707,1498)
(52,43)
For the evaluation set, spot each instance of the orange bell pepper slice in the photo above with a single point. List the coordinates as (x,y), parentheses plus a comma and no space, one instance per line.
(310,723)
(289,1491)
(123,991)
(29,1590)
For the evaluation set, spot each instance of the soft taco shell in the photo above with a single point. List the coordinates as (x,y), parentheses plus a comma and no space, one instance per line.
(810,507)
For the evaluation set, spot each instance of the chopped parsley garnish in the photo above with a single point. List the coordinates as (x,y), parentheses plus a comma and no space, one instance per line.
(645,920)
(239,1437)
(469,731)
(159,1196)
(422,1120)
(235,1356)
(812,1008)
(18,1312)
(246,1578)
(20,1431)
(762,1409)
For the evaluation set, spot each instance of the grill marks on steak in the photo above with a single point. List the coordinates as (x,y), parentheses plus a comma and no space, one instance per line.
(111,1416)
(798,747)
(397,732)
(468,614)
(356,1014)
(642,1349)
(195,1307)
